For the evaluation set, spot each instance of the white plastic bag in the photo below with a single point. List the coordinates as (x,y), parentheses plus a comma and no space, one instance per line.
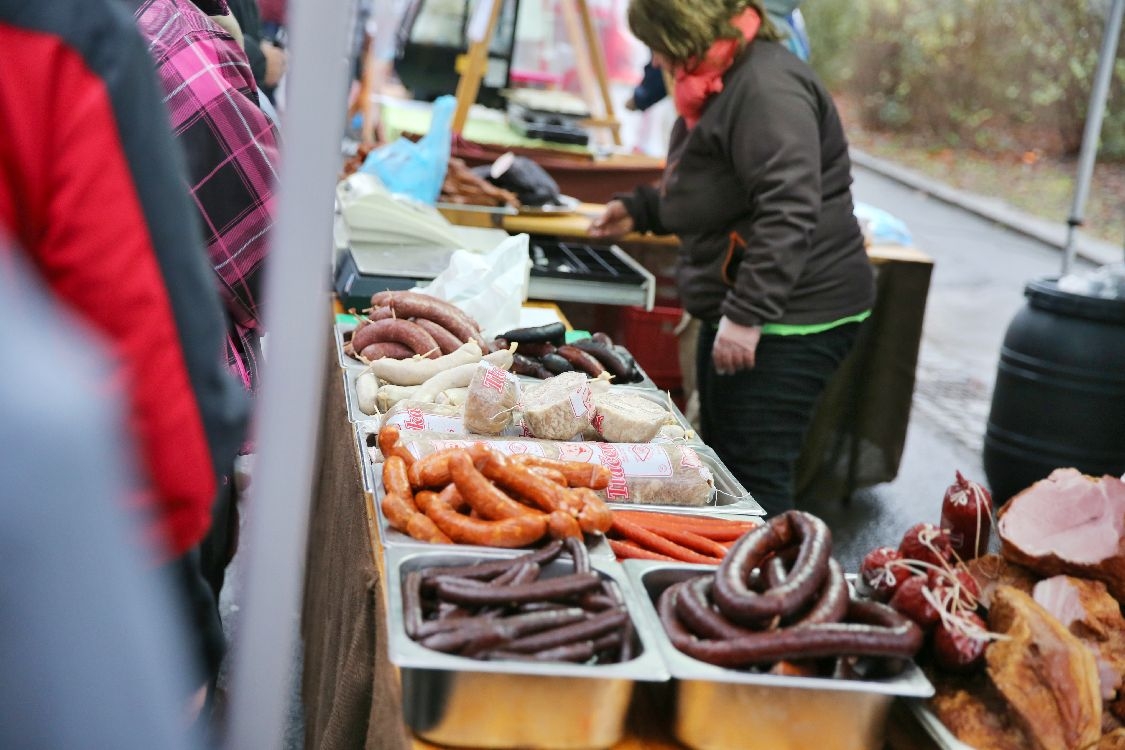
(491,287)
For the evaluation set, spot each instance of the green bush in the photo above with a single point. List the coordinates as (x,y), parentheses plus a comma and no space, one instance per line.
(994,75)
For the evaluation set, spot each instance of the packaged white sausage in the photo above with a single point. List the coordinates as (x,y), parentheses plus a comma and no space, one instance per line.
(493,396)
(436,419)
(558,408)
(628,418)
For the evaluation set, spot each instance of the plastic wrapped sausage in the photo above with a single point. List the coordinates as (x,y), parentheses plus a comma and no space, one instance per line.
(493,396)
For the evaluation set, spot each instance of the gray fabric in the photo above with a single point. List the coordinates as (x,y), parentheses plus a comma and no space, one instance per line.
(91,651)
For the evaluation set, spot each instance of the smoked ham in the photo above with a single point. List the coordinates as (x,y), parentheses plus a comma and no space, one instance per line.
(1070,524)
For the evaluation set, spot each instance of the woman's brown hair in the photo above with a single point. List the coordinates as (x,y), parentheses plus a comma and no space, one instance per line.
(683,30)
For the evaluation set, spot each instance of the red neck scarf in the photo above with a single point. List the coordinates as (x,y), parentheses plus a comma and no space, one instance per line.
(697,83)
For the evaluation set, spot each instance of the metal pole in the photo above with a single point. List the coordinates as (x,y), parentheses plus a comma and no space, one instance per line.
(288,412)
(1092,133)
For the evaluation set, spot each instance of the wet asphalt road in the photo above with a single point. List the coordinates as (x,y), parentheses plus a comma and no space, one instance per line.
(977,286)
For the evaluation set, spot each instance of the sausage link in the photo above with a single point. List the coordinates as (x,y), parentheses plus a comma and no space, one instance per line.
(556,363)
(554,475)
(503,629)
(391,349)
(489,570)
(509,532)
(732,592)
(577,473)
(578,553)
(563,526)
(390,445)
(832,604)
(574,652)
(693,606)
(433,470)
(530,349)
(519,479)
(595,517)
(423,528)
(581,360)
(589,629)
(402,331)
(446,341)
(416,305)
(552,333)
(484,497)
(522,365)
(395,477)
(549,589)
(621,370)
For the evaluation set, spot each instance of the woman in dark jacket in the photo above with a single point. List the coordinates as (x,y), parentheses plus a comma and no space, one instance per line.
(772,259)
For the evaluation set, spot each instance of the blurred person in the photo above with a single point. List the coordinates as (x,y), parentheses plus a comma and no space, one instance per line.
(88,632)
(772,260)
(267,59)
(92,193)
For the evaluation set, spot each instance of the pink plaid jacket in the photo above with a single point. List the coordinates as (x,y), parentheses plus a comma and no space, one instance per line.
(230,149)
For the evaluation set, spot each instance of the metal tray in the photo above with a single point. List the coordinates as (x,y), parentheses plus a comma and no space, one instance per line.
(729,496)
(454,700)
(338,331)
(393,539)
(764,711)
(931,724)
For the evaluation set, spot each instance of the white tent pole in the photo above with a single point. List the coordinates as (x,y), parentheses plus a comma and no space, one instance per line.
(288,412)
(1094,115)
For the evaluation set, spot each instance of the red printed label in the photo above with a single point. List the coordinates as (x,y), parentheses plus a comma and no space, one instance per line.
(495,378)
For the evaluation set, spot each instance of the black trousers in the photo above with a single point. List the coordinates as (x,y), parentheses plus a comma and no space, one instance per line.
(756,420)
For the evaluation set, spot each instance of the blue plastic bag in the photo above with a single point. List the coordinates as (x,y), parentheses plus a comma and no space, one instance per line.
(417,169)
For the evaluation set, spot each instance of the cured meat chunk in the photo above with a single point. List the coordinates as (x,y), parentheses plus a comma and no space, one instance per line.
(1069,524)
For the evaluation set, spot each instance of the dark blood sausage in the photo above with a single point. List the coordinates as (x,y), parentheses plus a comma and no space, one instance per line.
(416,305)
(589,629)
(522,365)
(832,604)
(733,594)
(498,345)
(490,570)
(446,341)
(536,349)
(563,587)
(617,366)
(502,629)
(391,349)
(693,605)
(551,333)
(401,331)
(556,363)
(581,360)
(602,338)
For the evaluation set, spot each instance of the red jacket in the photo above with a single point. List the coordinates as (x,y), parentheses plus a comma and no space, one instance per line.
(91,189)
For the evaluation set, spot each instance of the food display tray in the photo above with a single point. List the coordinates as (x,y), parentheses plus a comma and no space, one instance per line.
(729,496)
(453,700)
(340,333)
(763,711)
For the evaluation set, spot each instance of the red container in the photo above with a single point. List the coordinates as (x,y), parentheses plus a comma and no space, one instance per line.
(651,338)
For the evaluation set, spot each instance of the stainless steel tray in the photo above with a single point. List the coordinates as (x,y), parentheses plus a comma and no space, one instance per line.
(764,711)
(454,700)
(938,732)
(338,332)
(729,496)
(393,539)
(350,375)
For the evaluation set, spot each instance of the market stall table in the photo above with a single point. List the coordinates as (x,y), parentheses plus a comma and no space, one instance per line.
(351,692)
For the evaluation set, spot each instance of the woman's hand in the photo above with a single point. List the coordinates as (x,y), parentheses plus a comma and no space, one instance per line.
(735,347)
(614,222)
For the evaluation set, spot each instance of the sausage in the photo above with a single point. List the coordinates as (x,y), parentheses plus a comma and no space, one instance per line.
(602,338)
(432,470)
(498,344)
(550,589)
(554,475)
(581,361)
(522,365)
(517,531)
(577,473)
(556,363)
(586,630)
(416,305)
(418,371)
(488,570)
(446,340)
(643,536)
(595,517)
(402,331)
(551,333)
(390,445)
(399,506)
(518,478)
(535,349)
(483,496)
(578,653)
(501,628)
(561,525)
(617,366)
(391,349)
(578,554)
(832,604)
(693,606)
(732,592)
(395,477)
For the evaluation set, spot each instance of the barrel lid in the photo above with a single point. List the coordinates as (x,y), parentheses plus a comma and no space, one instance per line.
(1045,294)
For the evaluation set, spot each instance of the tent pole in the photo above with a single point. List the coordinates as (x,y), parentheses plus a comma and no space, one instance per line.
(1094,115)
(289,410)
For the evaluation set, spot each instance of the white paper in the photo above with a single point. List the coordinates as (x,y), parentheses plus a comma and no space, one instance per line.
(491,287)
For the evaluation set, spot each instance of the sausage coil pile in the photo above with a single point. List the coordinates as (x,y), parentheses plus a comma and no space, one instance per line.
(779,597)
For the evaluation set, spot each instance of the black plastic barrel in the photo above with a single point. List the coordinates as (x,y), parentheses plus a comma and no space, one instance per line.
(1059,399)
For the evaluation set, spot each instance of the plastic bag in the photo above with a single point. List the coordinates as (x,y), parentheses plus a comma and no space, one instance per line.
(491,287)
(417,169)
